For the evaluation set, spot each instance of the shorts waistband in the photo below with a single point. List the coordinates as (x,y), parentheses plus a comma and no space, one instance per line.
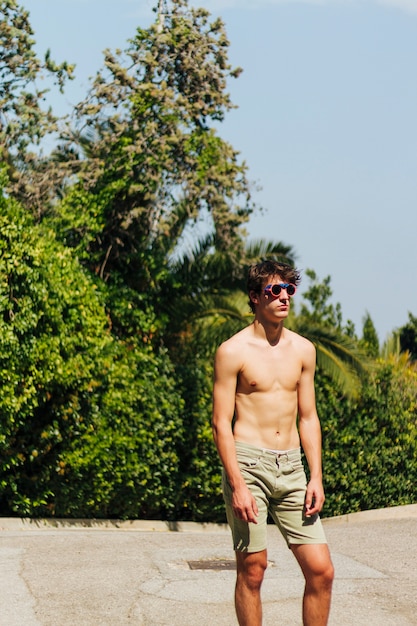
(294,453)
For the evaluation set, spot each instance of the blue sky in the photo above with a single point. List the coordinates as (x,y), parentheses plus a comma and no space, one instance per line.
(326,122)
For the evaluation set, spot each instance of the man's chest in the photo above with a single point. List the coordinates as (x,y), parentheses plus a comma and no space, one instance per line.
(270,370)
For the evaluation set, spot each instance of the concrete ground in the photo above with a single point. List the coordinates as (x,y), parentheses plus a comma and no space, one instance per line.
(90,573)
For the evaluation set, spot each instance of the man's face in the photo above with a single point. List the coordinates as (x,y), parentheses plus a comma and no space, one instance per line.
(276,295)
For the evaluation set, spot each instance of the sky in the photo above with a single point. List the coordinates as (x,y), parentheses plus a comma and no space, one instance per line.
(326,123)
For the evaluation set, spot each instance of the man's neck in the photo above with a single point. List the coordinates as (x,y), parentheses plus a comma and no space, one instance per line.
(271,331)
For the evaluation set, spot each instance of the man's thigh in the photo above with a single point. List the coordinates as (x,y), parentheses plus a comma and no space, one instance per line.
(288,510)
(247,536)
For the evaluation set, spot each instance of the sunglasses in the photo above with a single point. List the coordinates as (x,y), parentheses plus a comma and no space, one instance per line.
(275,290)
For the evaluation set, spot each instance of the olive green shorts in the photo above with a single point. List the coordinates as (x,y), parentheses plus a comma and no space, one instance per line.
(278,483)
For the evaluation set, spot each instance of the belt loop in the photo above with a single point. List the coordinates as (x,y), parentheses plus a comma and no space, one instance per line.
(284,454)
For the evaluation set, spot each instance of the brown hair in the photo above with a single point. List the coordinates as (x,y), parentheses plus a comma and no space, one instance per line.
(260,273)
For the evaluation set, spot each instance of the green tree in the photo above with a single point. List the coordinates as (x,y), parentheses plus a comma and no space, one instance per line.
(369,341)
(150,160)
(408,337)
(24,121)
(317,305)
(89,425)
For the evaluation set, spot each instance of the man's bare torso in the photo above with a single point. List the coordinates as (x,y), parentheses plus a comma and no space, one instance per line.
(267,389)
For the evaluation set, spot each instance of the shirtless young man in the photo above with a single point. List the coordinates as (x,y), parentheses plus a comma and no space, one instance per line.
(264,381)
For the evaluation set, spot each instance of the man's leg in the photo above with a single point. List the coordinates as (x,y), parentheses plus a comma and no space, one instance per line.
(250,567)
(317,567)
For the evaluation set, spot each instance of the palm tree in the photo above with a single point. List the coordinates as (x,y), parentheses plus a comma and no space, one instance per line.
(203,294)
(338,355)
(213,305)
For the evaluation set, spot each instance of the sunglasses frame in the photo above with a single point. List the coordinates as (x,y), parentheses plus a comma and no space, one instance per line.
(269,289)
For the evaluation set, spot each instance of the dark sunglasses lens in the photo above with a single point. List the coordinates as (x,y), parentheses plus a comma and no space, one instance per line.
(276,289)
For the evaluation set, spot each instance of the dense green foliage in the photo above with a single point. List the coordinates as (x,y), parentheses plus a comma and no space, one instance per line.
(85,429)
(369,450)
(110,319)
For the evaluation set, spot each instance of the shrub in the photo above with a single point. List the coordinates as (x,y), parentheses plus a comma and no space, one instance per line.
(369,445)
(89,424)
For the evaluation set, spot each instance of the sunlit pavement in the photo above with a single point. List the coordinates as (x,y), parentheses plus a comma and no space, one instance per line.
(91,573)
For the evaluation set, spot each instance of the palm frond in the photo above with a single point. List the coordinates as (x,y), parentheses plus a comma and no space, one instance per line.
(338,355)
(219,318)
(258,249)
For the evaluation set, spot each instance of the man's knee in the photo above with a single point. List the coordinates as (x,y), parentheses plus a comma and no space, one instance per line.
(325,575)
(316,564)
(251,568)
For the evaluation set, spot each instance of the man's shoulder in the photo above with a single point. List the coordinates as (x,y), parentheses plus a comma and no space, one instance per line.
(235,347)
(236,341)
(231,354)
(301,342)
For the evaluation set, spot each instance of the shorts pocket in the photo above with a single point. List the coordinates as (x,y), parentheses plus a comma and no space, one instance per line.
(246,462)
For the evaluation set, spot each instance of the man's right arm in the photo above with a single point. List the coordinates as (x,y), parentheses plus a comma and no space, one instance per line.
(226,370)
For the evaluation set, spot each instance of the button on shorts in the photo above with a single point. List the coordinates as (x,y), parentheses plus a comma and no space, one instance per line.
(278,483)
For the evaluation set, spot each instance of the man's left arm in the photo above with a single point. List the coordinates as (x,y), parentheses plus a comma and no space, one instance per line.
(310,432)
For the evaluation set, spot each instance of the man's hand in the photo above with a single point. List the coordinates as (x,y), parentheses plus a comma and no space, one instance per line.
(244,505)
(314,498)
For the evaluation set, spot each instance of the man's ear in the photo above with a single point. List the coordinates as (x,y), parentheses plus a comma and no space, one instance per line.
(254,297)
